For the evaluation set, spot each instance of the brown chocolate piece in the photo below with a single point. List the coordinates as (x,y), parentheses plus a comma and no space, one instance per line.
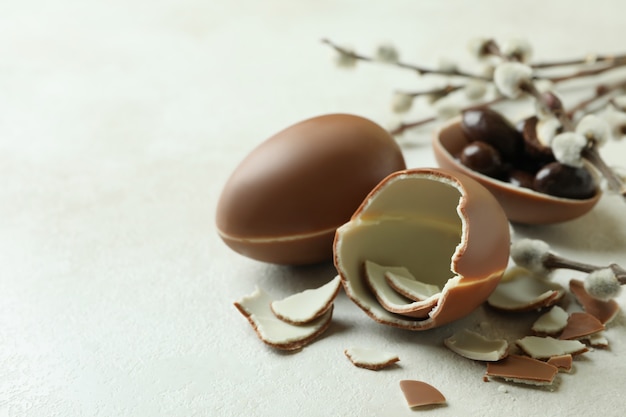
(562,362)
(522,369)
(604,311)
(580,325)
(418,393)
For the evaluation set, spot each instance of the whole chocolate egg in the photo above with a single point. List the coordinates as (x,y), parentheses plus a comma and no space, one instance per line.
(285,200)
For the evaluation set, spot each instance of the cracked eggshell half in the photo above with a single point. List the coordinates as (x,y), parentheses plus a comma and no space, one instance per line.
(444,227)
(522,205)
(285,200)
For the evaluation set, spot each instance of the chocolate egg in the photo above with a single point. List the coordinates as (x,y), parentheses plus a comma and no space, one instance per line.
(445,228)
(285,200)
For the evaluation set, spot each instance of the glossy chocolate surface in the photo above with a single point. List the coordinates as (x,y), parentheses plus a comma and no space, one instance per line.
(487,125)
(284,201)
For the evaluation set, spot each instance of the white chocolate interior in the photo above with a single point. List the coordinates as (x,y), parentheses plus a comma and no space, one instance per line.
(597,340)
(474,346)
(546,347)
(389,298)
(551,322)
(273,330)
(307,305)
(372,357)
(413,222)
(410,287)
(520,290)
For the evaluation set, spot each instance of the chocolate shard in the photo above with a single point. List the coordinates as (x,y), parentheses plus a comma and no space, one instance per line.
(522,369)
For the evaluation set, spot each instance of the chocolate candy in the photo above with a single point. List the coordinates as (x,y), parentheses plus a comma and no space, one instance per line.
(565,181)
(486,125)
(483,158)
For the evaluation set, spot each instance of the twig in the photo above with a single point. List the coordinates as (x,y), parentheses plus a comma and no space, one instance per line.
(589,59)
(409,125)
(418,69)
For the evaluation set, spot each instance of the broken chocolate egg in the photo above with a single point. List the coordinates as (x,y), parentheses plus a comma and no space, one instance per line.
(285,200)
(446,229)
(521,204)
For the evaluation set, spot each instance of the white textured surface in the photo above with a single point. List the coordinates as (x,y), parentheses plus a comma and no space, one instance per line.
(120,120)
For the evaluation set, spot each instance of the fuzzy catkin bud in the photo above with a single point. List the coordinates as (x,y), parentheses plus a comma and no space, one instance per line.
(531,254)
(547,129)
(518,49)
(544,85)
(345,58)
(475,89)
(401,102)
(616,121)
(448,66)
(594,129)
(567,148)
(509,78)
(446,111)
(478,47)
(603,284)
(387,53)
(620,102)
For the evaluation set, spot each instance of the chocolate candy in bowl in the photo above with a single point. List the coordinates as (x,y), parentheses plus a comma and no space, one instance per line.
(285,200)
(565,181)
(520,204)
(445,228)
(488,126)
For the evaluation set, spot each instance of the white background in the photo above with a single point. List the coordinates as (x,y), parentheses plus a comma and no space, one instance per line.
(121,120)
